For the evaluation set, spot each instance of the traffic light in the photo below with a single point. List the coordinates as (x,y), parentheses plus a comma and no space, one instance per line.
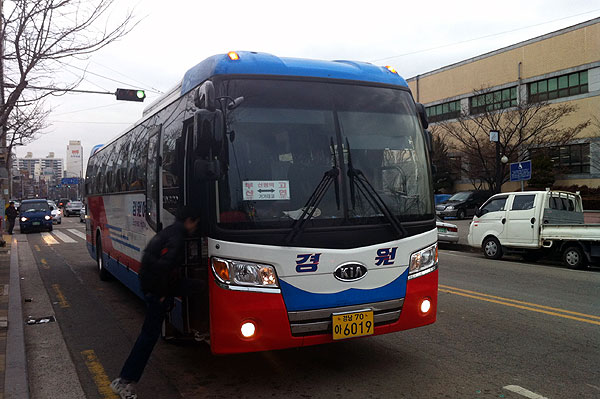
(130,95)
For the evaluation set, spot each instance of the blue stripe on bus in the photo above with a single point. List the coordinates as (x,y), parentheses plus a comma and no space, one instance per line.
(128,245)
(297,299)
(114,227)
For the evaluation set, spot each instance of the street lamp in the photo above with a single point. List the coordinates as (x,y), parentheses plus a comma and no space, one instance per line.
(495,137)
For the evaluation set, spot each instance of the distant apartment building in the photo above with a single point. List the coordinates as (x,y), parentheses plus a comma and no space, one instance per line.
(49,168)
(74,159)
(562,66)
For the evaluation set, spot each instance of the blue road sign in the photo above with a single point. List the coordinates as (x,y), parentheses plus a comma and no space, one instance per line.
(67,181)
(520,171)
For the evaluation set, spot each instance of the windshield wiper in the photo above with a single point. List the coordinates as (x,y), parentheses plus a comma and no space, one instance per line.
(315,198)
(360,181)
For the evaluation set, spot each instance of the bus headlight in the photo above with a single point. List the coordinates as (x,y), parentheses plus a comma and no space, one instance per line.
(47,217)
(424,259)
(24,219)
(237,272)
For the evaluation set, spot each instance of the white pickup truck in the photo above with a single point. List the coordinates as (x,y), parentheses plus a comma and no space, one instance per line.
(535,223)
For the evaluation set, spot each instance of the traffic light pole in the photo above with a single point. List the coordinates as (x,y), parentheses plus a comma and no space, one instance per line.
(121,94)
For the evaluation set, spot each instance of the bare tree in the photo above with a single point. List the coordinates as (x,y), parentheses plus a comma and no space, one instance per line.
(522,128)
(25,123)
(40,35)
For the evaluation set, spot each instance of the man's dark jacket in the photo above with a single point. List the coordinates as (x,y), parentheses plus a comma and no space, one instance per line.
(11,213)
(162,261)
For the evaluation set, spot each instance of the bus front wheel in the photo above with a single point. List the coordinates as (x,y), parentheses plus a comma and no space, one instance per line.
(102,272)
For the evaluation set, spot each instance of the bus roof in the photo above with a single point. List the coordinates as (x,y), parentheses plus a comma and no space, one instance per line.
(253,63)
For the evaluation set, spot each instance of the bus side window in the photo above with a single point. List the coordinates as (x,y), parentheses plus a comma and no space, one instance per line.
(137,162)
(170,167)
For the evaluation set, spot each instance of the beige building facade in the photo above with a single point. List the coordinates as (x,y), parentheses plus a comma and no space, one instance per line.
(561,66)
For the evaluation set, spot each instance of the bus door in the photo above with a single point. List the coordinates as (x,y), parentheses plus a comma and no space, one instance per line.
(153,182)
(195,314)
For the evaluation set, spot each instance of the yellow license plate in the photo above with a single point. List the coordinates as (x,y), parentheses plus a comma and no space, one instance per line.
(354,324)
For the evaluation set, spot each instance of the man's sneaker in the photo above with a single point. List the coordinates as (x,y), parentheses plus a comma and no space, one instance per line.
(125,389)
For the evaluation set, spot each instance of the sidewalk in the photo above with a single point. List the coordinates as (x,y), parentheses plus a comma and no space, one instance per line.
(4,284)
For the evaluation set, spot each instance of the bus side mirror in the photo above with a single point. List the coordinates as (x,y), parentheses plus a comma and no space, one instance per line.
(429,141)
(207,169)
(209,132)
(422,115)
(204,97)
(478,212)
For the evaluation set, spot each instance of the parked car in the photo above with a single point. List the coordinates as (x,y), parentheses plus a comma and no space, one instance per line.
(534,224)
(462,204)
(73,208)
(447,232)
(35,214)
(82,215)
(56,212)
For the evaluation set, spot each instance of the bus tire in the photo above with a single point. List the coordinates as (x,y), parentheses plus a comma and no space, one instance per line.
(492,248)
(102,272)
(574,258)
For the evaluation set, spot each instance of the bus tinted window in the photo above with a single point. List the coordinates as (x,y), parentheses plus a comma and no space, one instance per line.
(136,170)
(282,147)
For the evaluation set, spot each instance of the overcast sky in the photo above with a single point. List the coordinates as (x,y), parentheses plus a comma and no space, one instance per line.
(173,36)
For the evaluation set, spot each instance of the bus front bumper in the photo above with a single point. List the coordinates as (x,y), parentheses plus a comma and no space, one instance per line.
(267,312)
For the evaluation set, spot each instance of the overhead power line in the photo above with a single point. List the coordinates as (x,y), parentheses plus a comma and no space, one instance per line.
(86,109)
(128,77)
(481,37)
(106,77)
(94,122)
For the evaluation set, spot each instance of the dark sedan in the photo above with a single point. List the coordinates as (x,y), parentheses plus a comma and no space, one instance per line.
(35,215)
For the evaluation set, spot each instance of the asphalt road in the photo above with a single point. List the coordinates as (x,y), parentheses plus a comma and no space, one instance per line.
(500,323)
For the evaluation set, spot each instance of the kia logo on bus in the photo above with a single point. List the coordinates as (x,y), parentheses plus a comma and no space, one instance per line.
(350,271)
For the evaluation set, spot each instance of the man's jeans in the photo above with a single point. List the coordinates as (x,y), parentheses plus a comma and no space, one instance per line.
(138,358)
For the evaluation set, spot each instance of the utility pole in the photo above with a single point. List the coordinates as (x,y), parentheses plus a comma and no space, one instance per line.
(3,183)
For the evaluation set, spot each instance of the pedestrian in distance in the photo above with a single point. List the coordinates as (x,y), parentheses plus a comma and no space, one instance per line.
(11,215)
(161,281)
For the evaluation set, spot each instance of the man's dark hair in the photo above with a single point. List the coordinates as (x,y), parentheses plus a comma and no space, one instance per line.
(186,212)
(11,203)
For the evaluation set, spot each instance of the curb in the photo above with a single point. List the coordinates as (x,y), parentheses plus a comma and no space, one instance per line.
(458,247)
(15,378)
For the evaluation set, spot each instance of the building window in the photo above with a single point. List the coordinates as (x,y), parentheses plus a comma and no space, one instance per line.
(493,101)
(444,111)
(567,159)
(560,86)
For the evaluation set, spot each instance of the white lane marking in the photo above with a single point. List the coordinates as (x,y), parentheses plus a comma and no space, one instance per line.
(48,239)
(63,237)
(77,233)
(524,392)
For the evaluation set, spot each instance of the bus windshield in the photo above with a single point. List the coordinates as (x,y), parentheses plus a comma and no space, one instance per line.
(287,134)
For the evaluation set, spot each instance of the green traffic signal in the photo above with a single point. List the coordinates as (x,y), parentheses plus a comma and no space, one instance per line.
(130,95)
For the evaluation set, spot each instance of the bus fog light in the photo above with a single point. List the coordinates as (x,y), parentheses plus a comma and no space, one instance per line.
(425,305)
(248,329)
